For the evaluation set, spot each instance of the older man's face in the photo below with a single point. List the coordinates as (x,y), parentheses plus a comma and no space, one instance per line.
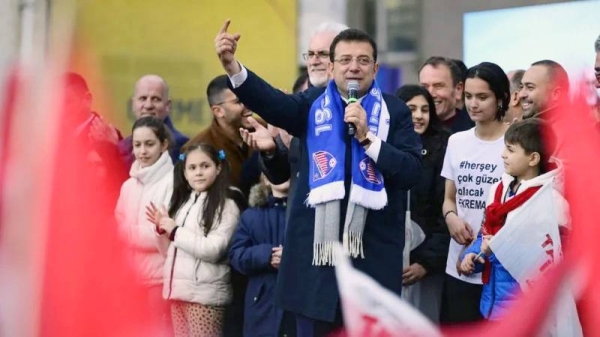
(150,99)
(317,58)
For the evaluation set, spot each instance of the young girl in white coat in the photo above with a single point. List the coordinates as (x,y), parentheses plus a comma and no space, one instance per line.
(151,181)
(200,222)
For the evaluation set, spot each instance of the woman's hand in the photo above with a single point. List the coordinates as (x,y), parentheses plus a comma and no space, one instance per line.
(460,231)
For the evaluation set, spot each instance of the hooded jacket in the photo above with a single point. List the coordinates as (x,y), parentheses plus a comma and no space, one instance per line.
(262,227)
(152,184)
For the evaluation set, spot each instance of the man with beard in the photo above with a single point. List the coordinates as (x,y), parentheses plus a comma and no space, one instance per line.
(229,115)
(545,86)
(317,56)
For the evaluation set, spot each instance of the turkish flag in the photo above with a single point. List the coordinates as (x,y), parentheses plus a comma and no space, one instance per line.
(64,271)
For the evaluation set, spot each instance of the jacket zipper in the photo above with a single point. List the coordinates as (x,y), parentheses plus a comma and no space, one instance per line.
(175,252)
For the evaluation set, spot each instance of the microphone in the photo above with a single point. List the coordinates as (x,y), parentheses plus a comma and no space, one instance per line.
(352,89)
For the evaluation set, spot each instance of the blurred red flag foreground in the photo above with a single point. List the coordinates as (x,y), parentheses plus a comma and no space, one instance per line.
(63,267)
(370,310)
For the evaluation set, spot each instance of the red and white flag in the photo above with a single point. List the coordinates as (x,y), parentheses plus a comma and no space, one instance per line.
(528,245)
(63,271)
(371,310)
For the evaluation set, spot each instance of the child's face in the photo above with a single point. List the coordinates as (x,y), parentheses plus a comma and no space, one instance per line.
(147,148)
(420,113)
(200,170)
(516,161)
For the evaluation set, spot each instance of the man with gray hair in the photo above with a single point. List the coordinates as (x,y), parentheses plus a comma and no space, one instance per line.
(317,56)
(597,63)
(151,98)
(275,156)
(515,110)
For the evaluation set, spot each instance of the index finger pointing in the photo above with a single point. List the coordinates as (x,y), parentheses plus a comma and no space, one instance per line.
(225,26)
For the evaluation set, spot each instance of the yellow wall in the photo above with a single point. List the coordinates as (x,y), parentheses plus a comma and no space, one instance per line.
(174,38)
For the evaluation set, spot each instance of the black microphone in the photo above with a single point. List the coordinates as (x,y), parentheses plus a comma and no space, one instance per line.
(352,89)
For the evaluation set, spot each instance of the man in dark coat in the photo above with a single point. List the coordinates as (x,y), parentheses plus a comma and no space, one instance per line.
(229,115)
(310,290)
(442,77)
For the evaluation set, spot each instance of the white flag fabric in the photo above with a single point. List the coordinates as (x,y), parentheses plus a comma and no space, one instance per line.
(371,310)
(413,237)
(528,245)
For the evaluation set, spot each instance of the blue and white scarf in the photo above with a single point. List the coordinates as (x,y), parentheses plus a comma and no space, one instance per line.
(327,149)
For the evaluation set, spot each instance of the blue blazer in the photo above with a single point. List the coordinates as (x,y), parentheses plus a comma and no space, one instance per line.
(312,290)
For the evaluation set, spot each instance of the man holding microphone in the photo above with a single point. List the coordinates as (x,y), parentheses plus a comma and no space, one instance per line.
(355,183)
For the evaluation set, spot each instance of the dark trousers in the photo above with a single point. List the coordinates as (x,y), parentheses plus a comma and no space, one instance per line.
(308,327)
(233,325)
(460,302)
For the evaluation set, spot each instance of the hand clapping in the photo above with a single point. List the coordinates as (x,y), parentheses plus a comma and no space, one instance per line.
(160,219)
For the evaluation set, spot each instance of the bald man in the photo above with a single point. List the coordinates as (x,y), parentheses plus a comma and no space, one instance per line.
(151,98)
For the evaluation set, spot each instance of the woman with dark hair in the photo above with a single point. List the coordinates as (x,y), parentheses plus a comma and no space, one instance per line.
(151,181)
(471,165)
(424,273)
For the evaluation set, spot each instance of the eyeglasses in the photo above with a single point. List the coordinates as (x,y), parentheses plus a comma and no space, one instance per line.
(234,101)
(362,60)
(322,55)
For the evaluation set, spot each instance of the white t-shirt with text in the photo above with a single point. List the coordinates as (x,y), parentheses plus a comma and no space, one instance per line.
(474,165)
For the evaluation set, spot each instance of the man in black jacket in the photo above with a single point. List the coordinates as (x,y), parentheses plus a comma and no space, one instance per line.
(442,78)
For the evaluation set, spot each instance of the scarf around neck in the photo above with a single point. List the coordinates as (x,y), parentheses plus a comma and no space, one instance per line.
(327,150)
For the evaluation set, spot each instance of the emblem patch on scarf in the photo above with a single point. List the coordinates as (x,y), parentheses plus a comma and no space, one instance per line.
(326,141)
(324,162)
(367,168)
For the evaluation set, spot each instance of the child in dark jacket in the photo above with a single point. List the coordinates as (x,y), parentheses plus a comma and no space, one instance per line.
(256,252)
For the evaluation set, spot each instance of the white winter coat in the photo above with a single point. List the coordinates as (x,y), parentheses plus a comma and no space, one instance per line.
(197,269)
(149,184)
